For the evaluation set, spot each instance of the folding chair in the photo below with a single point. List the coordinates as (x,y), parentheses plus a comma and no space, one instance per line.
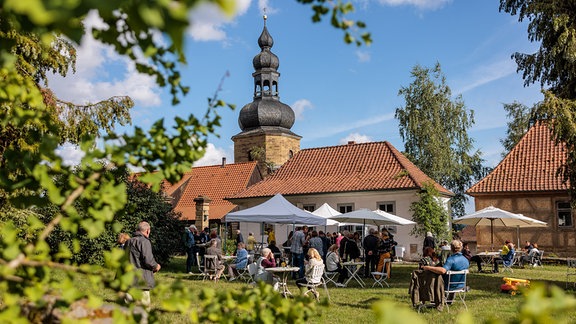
(379,278)
(200,268)
(330,276)
(317,279)
(210,262)
(570,271)
(456,286)
(252,269)
(244,274)
(507,265)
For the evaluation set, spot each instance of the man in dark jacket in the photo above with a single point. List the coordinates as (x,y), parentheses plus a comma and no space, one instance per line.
(349,250)
(139,250)
(370,244)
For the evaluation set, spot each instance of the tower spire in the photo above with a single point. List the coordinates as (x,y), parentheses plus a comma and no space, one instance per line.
(266,121)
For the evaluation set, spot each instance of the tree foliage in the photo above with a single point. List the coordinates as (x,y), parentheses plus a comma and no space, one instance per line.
(553,65)
(40,38)
(434,128)
(142,204)
(521,118)
(429,214)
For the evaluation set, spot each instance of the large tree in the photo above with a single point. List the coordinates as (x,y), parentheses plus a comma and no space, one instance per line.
(519,117)
(552,23)
(434,127)
(41,37)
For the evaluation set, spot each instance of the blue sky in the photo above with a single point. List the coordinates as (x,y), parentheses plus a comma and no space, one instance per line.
(339,92)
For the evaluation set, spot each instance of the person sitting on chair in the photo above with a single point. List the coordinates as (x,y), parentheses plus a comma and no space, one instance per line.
(506,255)
(241,261)
(455,262)
(314,260)
(530,256)
(333,264)
(218,265)
(266,260)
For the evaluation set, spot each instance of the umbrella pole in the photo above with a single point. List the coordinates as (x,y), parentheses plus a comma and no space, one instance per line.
(518,235)
(492,233)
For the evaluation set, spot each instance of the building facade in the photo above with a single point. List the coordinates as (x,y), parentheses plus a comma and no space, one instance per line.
(527,182)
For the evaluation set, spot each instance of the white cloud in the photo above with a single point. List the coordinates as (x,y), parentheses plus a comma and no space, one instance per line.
(208,21)
(356,137)
(299,106)
(420,4)
(70,154)
(363,56)
(95,62)
(214,156)
(264,5)
(485,74)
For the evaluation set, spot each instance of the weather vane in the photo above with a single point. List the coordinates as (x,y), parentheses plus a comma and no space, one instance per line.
(265,17)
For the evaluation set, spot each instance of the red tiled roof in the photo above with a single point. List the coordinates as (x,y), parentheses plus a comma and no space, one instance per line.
(530,166)
(352,167)
(214,182)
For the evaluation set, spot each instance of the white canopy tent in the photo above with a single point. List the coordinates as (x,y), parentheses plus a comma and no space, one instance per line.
(326,211)
(276,210)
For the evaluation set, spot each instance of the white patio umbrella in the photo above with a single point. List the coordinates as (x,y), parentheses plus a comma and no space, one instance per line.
(395,220)
(368,217)
(493,216)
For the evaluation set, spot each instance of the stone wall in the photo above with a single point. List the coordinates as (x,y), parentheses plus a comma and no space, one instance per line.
(279,148)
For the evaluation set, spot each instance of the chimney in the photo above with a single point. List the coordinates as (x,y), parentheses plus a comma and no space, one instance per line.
(351,142)
(223,161)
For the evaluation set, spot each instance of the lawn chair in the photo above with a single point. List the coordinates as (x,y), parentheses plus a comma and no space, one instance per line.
(317,279)
(210,264)
(456,287)
(330,276)
(200,268)
(381,277)
(571,271)
(244,274)
(252,269)
(507,264)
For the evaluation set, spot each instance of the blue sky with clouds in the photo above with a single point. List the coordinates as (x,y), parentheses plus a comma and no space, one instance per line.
(339,92)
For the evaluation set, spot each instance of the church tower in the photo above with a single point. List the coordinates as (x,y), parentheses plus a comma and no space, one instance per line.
(266,122)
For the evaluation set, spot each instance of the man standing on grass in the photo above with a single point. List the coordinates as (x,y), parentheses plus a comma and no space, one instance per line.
(139,250)
(297,250)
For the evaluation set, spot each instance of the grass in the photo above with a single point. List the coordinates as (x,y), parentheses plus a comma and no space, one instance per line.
(485,301)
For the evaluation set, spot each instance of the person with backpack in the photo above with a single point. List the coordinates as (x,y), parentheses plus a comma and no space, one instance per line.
(190,246)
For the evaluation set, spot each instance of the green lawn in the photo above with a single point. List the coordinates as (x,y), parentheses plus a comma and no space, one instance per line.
(485,301)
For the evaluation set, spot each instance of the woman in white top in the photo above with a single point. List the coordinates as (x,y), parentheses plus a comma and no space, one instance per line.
(314,260)
(333,265)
